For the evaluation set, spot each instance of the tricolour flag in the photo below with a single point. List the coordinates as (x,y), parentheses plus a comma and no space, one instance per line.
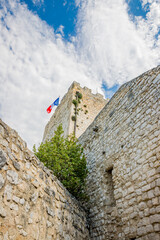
(55,103)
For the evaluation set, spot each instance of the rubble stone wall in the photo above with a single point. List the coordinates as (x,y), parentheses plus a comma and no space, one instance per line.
(33,203)
(122,146)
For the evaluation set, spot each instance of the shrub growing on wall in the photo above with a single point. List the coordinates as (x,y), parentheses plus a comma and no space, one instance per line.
(76,102)
(64,156)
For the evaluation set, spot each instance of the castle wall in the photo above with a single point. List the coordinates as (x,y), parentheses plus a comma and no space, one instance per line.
(62,115)
(122,146)
(33,203)
(90,106)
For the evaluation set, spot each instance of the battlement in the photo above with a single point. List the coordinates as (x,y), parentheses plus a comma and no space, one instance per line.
(76,84)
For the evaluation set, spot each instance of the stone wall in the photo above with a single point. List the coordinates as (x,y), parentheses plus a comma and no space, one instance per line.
(90,106)
(62,115)
(122,146)
(33,203)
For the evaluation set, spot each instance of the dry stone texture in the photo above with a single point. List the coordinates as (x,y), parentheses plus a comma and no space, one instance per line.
(90,106)
(122,146)
(33,203)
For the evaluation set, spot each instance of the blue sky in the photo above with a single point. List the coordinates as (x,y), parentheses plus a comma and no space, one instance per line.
(135,8)
(45,45)
(56,13)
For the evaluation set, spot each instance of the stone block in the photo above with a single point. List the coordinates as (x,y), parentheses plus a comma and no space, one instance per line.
(4,143)
(146,221)
(158,209)
(150,194)
(144,196)
(149,203)
(34,197)
(146,212)
(146,188)
(152,211)
(149,228)
(23,233)
(16,199)
(3,159)
(135,176)
(22,201)
(133,215)
(153,184)
(14,148)
(2,181)
(155,201)
(12,177)
(152,236)
(2,212)
(14,207)
(151,173)
(49,224)
(16,165)
(141,231)
(157,227)
(142,206)
(27,207)
(8,192)
(35,183)
(50,211)
(155,218)
(2,130)
(158,182)
(130,189)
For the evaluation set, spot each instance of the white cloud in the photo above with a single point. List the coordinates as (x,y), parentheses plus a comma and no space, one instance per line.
(38,2)
(150,26)
(36,65)
(114,46)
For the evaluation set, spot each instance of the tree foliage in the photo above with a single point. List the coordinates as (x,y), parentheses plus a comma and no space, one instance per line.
(64,156)
(76,102)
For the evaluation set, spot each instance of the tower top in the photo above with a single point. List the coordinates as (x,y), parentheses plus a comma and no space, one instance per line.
(88,108)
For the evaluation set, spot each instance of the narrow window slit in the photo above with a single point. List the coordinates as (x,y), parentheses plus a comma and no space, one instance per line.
(110,188)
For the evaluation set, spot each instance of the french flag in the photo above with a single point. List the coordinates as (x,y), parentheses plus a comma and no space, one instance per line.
(55,103)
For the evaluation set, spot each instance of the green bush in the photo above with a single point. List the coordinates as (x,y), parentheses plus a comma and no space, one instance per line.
(74,101)
(64,156)
(79,95)
(73,118)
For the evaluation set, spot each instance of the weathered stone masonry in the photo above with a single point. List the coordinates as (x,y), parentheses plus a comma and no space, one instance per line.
(122,146)
(33,203)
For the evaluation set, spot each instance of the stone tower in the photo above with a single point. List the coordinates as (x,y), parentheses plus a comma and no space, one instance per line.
(91,104)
